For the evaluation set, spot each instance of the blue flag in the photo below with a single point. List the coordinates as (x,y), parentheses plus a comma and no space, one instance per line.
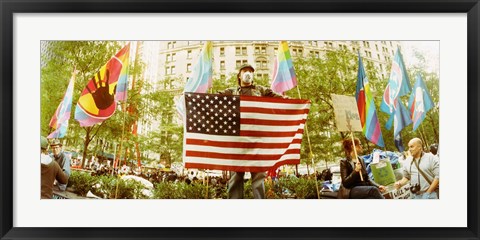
(401,118)
(398,84)
(419,103)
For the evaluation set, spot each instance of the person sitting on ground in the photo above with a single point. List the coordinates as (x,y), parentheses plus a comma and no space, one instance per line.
(50,170)
(350,170)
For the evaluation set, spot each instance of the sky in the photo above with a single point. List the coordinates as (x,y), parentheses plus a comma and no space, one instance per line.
(430,49)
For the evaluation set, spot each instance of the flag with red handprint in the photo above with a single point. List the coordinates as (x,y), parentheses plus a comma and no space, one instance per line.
(97,101)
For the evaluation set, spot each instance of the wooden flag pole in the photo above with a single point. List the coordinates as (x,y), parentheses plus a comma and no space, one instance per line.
(356,156)
(311,154)
(120,149)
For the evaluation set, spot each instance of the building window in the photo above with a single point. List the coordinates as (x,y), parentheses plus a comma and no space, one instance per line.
(239,63)
(222,65)
(275,50)
(261,63)
(173,69)
(241,50)
(260,75)
(167,58)
(189,54)
(378,56)
(376,46)
(171,45)
(189,67)
(222,76)
(222,51)
(174,56)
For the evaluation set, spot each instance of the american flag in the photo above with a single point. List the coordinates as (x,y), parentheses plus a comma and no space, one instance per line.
(242,133)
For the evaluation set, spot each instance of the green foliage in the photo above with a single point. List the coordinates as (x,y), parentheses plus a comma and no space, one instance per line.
(81,182)
(105,186)
(302,188)
(182,190)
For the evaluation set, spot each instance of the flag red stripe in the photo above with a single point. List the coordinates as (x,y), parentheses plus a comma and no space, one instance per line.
(241,168)
(273,111)
(271,122)
(273,100)
(263,157)
(249,133)
(240,144)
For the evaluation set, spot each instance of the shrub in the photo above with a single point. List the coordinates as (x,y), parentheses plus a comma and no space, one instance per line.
(81,182)
(181,190)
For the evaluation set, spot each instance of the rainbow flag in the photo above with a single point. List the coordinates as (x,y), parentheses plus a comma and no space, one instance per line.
(366,107)
(97,101)
(284,77)
(122,85)
(200,80)
(59,120)
(419,103)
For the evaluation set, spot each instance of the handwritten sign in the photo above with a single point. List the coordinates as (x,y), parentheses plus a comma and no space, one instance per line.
(401,193)
(346,113)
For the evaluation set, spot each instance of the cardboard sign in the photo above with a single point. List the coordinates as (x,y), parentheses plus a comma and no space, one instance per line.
(346,113)
(383,172)
(401,193)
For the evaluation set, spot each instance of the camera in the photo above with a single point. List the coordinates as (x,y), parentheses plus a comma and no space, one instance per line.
(415,188)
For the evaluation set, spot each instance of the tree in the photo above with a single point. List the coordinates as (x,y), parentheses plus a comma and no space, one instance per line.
(88,57)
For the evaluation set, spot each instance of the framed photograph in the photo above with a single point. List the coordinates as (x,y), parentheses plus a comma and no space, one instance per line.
(448,28)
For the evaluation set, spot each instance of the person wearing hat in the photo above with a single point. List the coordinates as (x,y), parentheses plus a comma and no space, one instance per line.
(50,170)
(246,86)
(62,159)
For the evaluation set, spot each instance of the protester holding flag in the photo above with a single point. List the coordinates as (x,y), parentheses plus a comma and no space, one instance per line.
(248,88)
(352,185)
(422,170)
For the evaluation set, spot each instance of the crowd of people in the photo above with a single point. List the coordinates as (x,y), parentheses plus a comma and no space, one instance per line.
(420,168)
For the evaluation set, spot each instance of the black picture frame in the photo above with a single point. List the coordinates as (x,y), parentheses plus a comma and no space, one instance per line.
(9,8)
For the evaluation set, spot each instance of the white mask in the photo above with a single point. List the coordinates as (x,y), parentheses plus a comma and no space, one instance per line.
(247,77)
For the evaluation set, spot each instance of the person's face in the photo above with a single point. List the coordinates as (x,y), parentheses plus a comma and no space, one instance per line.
(56,149)
(415,149)
(359,148)
(246,80)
